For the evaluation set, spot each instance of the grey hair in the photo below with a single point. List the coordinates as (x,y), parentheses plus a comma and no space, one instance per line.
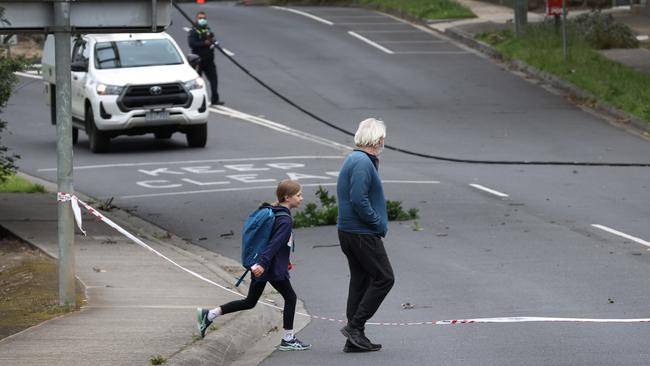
(370,132)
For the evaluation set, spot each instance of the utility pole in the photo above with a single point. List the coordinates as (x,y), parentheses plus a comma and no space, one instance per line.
(521,16)
(62,35)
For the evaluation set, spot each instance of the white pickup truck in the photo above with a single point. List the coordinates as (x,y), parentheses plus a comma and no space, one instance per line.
(130,84)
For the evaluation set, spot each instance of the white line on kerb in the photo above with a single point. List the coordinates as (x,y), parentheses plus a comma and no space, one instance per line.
(234,189)
(488,190)
(32,76)
(278,127)
(622,234)
(304,14)
(364,39)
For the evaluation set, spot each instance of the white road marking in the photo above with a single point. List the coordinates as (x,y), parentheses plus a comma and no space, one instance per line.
(389,31)
(278,127)
(357,16)
(368,23)
(488,190)
(304,14)
(364,39)
(27,75)
(233,189)
(436,41)
(622,234)
(431,52)
(122,165)
(411,181)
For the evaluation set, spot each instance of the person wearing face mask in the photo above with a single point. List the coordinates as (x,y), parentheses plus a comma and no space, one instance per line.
(202,42)
(362,223)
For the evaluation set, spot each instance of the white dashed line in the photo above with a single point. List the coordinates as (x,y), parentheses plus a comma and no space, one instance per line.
(376,45)
(622,234)
(277,127)
(488,190)
(304,14)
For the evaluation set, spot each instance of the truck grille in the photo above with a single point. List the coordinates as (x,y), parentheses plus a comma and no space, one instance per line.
(154,95)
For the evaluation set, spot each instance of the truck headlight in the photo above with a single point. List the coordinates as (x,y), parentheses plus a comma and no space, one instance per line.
(105,89)
(194,84)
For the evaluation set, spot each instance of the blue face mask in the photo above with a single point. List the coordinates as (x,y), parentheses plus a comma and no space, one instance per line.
(202,22)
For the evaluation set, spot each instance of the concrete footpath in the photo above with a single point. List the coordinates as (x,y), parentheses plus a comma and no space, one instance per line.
(138,306)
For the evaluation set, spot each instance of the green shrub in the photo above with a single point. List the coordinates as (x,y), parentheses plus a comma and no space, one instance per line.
(602,31)
(327,214)
(318,216)
(397,213)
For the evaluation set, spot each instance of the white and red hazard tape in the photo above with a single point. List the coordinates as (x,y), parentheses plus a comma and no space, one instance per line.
(74,201)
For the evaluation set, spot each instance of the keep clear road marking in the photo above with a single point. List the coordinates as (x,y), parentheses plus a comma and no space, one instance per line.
(149,195)
(622,234)
(123,165)
(278,127)
(304,14)
(488,190)
(376,45)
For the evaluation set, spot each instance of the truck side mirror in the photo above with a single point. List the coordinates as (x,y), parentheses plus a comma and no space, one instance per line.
(79,66)
(193,59)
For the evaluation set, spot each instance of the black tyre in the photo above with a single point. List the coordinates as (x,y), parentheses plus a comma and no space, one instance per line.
(197,135)
(75,135)
(99,141)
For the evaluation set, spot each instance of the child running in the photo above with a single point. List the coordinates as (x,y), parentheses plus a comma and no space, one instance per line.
(272,267)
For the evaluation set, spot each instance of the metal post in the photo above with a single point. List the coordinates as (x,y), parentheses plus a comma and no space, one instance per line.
(62,34)
(564,35)
(521,16)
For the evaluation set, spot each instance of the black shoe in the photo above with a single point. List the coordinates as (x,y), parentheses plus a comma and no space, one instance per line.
(375,346)
(217,102)
(355,336)
(351,348)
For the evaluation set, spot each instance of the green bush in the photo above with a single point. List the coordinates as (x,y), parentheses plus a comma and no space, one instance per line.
(327,214)
(397,213)
(602,31)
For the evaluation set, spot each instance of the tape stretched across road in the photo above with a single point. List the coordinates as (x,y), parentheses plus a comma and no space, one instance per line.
(74,201)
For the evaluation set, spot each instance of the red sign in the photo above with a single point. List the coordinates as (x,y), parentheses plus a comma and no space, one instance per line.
(553,7)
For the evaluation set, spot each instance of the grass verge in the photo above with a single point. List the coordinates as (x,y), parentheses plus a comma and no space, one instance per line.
(29,292)
(16,184)
(421,9)
(609,81)
(424,9)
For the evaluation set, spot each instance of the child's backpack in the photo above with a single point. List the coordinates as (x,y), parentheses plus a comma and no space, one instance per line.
(256,234)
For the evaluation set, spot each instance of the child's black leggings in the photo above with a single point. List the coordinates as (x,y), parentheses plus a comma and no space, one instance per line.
(254,294)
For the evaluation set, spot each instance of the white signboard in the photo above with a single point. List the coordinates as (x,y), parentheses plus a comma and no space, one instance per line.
(88,16)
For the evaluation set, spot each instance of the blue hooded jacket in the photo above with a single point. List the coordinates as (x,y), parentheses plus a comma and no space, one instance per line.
(362,206)
(275,256)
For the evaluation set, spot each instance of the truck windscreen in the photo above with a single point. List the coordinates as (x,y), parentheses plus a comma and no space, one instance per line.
(136,53)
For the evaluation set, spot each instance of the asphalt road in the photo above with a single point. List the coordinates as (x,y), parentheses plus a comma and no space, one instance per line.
(520,242)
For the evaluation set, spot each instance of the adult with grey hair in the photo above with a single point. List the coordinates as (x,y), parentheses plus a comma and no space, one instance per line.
(362,223)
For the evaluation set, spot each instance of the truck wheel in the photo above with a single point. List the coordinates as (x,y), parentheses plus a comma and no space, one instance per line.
(99,141)
(197,135)
(75,135)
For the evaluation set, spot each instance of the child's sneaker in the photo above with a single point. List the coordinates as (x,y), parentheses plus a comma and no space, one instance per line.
(293,345)
(202,318)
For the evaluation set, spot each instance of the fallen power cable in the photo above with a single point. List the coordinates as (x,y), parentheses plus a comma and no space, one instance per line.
(406,151)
